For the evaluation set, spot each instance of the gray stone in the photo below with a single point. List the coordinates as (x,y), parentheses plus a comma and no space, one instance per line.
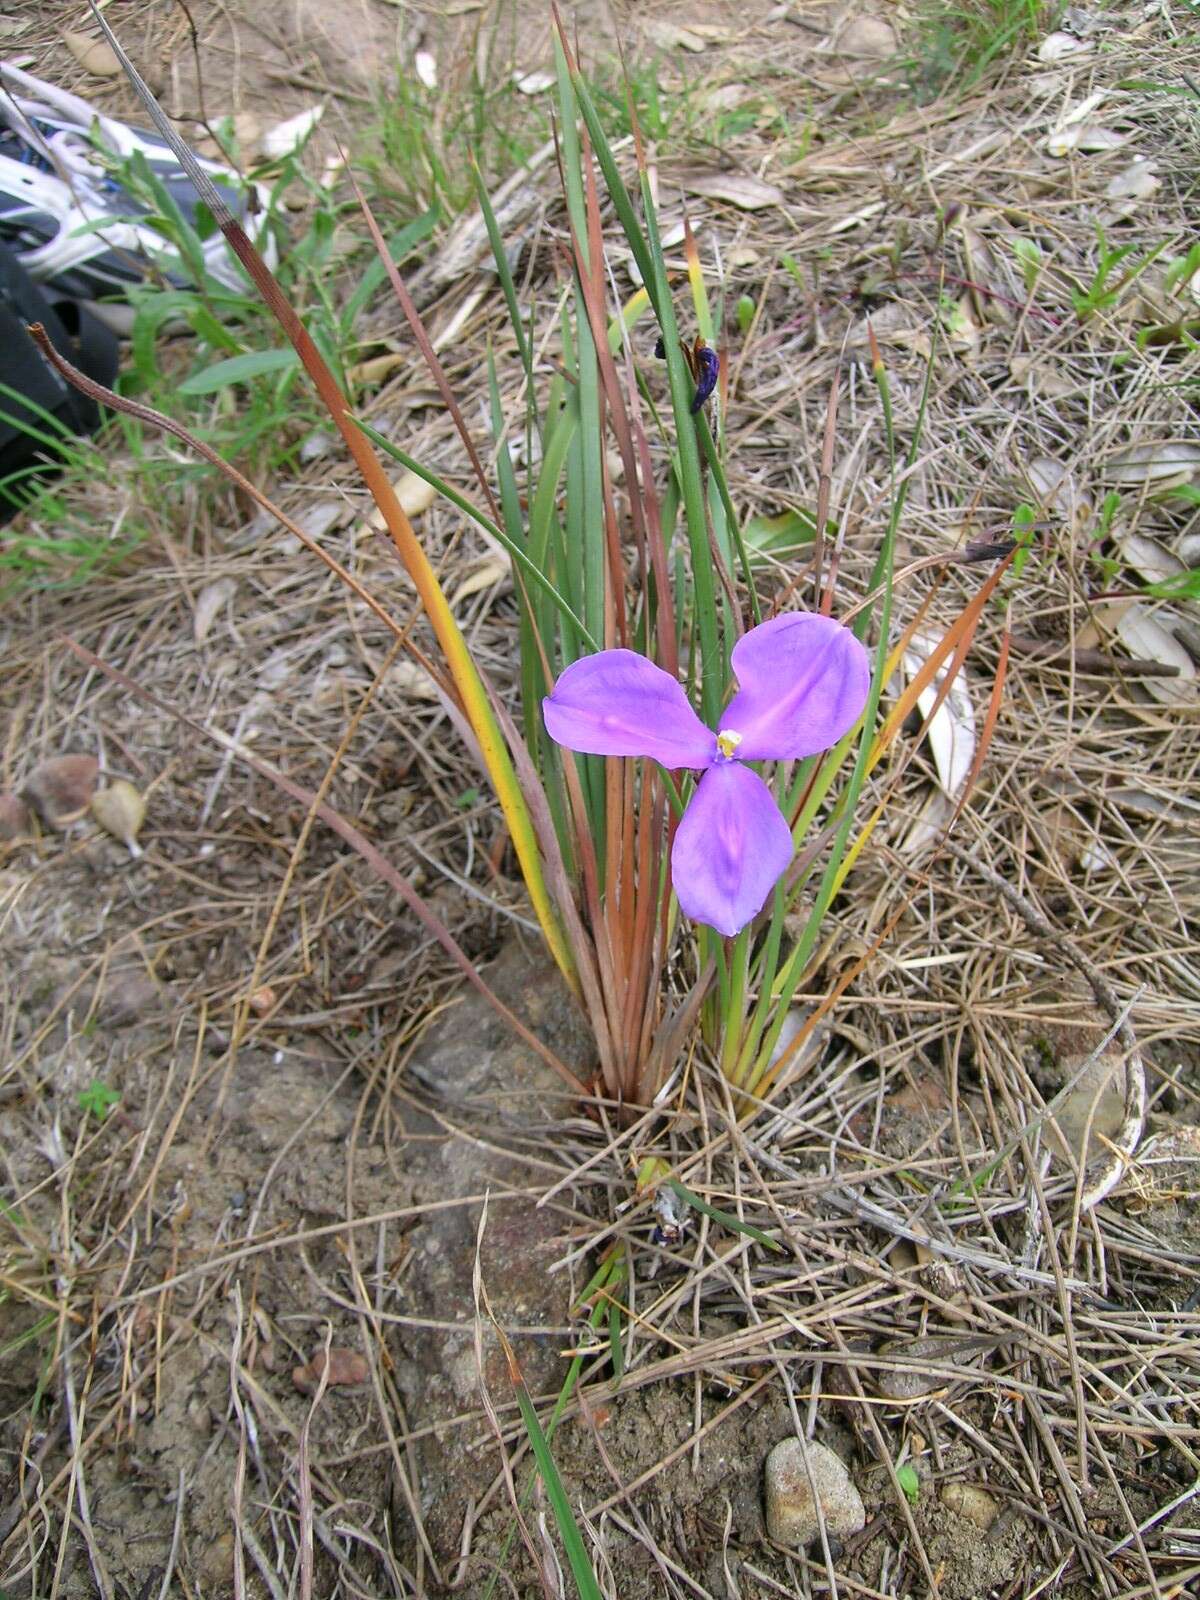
(795,1467)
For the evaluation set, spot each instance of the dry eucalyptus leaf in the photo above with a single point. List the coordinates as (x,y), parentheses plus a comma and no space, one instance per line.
(1092,1112)
(209,601)
(534,82)
(671,36)
(1146,639)
(723,97)
(1042,377)
(425,67)
(1166,464)
(1137,182)
(412,680)
(120,810)
(951,732)
(1146,556)
(744,255)
(62,788)
(1083,110)
(316,519)
(930,823)
(346,1369)
(375,368)
(1051,483)
(93,55)
(414,495)
(1097,857)
(490,572)
(737,188)
(1085,138)
(285,137)
(1059,46)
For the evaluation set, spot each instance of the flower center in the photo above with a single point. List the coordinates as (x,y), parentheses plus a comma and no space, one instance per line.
(727,743)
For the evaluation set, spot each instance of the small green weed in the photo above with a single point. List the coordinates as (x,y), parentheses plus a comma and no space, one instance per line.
(1103,292)
(97,1100)
(906,1477)
(954,44)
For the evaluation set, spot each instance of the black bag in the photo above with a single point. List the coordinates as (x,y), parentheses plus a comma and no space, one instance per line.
(29,385)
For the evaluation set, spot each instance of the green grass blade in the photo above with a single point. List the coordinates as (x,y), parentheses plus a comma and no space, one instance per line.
(564,1516)
(510,546)
(725,1218)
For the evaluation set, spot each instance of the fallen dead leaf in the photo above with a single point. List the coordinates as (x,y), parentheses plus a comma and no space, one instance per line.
(412,680)
(1137,182)
(1042,376)
(209,601)
(1052,488)
(287,136)
(951,732)
(485,576)
(1085,138)
(736,188)
(1060,46)
(1166,465)
(375,368)
(414,494)
(930,823)
(674,36)
(93,55)
(1146,556)
(346,1370)
(1146,639)
(536,82)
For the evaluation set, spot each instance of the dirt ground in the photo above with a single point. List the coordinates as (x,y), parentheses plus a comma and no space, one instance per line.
(323,1142)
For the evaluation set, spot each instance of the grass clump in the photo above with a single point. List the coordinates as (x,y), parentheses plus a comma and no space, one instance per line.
(954,45)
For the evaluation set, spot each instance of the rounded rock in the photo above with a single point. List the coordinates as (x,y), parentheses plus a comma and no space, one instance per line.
(62,788)
(968,1500)
(797,1467)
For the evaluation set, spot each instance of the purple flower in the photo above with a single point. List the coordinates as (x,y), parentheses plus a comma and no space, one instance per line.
(708,370)
(803,682)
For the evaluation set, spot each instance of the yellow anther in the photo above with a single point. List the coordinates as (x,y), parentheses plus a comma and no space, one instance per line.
(727,742)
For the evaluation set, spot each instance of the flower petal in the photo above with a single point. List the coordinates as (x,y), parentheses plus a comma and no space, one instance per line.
(617,703)
(730,849)
(803,683)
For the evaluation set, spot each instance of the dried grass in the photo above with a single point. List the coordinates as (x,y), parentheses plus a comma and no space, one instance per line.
(1076,1397)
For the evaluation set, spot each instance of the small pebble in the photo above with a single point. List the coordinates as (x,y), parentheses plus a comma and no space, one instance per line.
(62,788)
(793,1518)
(971,1502)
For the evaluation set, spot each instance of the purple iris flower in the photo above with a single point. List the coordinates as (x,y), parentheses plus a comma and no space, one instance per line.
(802,683)
(708,369)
